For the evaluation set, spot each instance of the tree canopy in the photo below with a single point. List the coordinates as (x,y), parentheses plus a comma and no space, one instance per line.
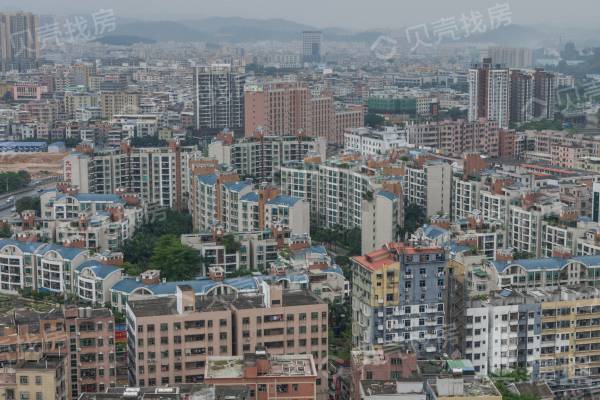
(11,181)
(175,260)
(28,203)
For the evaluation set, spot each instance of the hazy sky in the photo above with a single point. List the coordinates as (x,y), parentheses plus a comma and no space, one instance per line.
(359,14)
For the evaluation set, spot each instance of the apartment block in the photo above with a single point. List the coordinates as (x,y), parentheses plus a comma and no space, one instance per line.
(489,92)
(398,297)
(370,142)
(382,217)
(193,328)
(457,137)
(39,377)
(219,97)
(174,350)
(429,187)
(19,43)
(119,102)
(82,337)
(253,251)
(259,157)
(277,107)
(503,333)
(222,199)
(91,334)
(158,175)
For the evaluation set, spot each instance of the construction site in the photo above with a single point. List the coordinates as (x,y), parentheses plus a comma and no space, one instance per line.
(39,165)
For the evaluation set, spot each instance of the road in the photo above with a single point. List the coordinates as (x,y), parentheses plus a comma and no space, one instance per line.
(5,207)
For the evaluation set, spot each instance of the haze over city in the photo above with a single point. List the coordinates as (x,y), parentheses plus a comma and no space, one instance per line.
(352,14)
(311,200)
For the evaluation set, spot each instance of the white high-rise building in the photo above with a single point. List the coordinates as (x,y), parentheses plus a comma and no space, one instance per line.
(219,96)
(311,46)
(489,92)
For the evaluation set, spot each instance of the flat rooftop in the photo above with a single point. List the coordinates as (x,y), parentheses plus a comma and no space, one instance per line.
(183,391)
(50,361)
(223,367)
(373,387)
(472,388)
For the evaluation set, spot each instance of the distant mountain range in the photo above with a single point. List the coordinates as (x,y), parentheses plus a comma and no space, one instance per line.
(232,30)
(237,29)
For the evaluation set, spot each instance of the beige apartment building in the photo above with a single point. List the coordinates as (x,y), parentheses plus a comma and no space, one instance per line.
(285,322)
(37,377)
(170,338)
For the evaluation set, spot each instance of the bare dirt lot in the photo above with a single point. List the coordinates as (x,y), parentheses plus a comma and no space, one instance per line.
(38,165)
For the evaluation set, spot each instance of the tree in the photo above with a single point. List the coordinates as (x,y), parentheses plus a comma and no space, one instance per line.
(132,269)
(231,245)
(11,181)
(5,231)
(414,217)
(139,249)
(373,120)
(175,260)
(28,203)
(240,272)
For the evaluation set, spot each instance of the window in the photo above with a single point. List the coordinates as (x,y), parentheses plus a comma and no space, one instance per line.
(295,387)
(24,380)
(302,317)
(314,315)
(38,380)
(282,388)
(223,322)
(369,375)
(245,320)
(262,387)
(164,327)
(39,396)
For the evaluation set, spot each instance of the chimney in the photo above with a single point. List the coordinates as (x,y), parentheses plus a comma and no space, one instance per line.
(186,299)
(150,277)
(504,255)
(216,273)
(276,294)
(262,362)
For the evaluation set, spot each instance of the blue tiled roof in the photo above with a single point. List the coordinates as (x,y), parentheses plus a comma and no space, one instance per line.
(237,186)
(127,285)
(388,195)
(282,200)
(252,196)
(320,249)
(242,283)
(207,179)
(334,269)
(26,247)
(433,232)
(547,263)
(588,260)
(100,270)
(68,253)
(96,197)
(200,286)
